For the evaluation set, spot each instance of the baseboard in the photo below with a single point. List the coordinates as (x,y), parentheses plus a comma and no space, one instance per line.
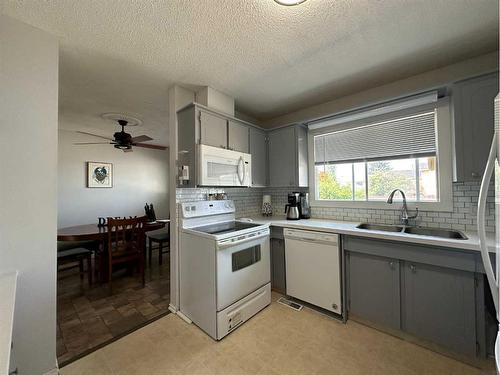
(184,317)
(54,371)
(172,309)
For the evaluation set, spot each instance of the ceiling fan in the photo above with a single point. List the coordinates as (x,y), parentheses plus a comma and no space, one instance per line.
(122,140)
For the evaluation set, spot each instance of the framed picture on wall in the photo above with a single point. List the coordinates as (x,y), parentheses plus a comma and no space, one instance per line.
(99,175)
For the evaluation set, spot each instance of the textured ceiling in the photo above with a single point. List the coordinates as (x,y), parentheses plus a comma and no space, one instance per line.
(121,56)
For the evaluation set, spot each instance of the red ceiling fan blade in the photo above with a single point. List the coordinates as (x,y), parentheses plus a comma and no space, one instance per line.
(95,135)
(141,138)
(146,145)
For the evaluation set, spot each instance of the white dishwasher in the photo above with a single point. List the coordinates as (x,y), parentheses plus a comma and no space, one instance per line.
(313,268)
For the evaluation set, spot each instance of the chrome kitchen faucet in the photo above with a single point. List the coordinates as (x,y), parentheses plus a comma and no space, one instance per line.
(404,209)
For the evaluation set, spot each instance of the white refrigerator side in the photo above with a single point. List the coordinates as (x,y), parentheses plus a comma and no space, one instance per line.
(483,193)
(492,169)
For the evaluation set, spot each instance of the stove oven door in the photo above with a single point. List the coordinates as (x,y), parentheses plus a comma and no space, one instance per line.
(243,266)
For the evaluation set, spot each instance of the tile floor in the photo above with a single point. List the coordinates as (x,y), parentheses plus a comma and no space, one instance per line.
(89,317)
(276,341)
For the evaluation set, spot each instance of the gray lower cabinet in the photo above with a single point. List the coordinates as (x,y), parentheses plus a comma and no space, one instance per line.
(278,270)
(439,306)
(374,289)
(258,150)
(434,294)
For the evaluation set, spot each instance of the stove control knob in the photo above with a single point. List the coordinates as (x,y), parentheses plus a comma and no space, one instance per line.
(226,205)
(230,204)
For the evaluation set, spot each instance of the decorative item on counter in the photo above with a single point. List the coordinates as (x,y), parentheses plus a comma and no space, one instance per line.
(267,208)
(150,212)
(101,222)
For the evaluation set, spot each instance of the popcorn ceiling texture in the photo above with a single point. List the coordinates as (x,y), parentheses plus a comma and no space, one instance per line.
(465,197)
(273,59)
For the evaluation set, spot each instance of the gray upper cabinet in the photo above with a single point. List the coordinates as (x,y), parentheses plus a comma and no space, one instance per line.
(201,125)
(374,289)
(213,129)
(473,124)
(258,150)
(238,136)
(288,157)
(439,306)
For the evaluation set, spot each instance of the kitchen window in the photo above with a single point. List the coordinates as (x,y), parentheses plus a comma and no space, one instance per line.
(358,163)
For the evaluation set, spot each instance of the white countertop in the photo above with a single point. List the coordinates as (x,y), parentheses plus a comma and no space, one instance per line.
(8,283)
(346,227)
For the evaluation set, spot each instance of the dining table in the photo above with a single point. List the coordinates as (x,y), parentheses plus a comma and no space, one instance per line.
(94,232)
(99,233)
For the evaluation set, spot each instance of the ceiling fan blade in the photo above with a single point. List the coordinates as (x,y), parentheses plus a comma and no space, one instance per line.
(93,143)
(95,135)
(141,138)
(128,150)
(146,145)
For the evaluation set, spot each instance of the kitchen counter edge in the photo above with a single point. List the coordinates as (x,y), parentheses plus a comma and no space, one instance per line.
(349,228)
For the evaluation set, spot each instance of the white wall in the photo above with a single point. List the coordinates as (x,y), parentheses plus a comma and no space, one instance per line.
(138,177)
(28,187)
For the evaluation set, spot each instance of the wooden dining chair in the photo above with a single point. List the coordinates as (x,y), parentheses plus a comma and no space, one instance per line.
(126,244)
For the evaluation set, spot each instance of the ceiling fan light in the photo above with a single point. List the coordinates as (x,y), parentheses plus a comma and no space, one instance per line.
(123,147)
(289,2)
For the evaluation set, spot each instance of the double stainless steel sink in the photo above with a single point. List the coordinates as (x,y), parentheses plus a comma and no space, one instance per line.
(433,232)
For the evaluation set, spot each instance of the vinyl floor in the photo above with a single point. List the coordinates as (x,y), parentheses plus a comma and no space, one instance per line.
(278,340)
(89,317)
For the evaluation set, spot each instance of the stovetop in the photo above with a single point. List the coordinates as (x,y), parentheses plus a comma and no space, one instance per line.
(225,227)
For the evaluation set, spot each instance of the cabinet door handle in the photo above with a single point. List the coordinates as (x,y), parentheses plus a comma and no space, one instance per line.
(475,175)
(392,265)
(413,268)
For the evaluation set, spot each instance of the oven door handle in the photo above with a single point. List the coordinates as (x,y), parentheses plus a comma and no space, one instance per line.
(225,244)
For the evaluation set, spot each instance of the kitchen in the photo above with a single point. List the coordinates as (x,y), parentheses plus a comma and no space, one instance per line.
(427,283)
(331,200)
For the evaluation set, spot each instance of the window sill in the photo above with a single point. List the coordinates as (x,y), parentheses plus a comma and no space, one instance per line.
(443,206)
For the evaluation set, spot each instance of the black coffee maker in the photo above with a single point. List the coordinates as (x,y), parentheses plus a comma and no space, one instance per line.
(292,207)
(304,206)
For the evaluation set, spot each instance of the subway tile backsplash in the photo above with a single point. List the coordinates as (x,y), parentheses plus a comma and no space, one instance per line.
(248,202)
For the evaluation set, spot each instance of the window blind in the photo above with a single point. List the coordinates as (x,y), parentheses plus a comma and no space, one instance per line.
(400,137)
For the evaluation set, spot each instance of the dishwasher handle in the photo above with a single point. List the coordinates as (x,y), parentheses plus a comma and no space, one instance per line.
(311,240)
(311,236)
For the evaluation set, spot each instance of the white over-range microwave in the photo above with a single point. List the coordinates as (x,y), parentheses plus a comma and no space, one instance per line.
(221,167)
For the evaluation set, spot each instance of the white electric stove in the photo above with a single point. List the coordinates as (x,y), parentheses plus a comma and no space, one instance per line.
(225,269)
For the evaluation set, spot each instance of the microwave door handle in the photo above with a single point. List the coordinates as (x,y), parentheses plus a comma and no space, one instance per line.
(238,169)
(483,245)
(244,172)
